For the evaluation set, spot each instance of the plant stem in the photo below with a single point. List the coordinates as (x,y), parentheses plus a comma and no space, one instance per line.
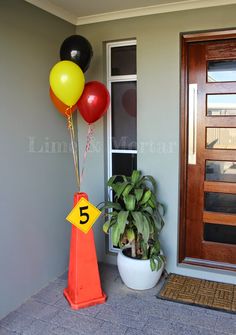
(133,250)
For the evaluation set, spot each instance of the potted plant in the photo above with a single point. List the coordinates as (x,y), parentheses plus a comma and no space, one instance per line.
(135,219)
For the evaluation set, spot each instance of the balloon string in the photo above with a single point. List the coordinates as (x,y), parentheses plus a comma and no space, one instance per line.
(72,138)
(90,134)
(74,141)
(75,155)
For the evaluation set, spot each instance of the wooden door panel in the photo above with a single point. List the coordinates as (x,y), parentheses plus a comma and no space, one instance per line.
(224,87)
(206,128)
(224,122)
(219,218)
(212,186)
(218,252)
(221,50)
(226,155)
(193,215)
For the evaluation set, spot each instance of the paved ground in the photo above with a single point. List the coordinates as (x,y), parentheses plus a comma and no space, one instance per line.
(125,312)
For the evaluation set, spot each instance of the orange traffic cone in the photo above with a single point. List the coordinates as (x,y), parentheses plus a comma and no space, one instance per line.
(84,286)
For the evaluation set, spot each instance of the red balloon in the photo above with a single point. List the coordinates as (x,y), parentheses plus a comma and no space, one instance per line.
(62,108)
(94,101)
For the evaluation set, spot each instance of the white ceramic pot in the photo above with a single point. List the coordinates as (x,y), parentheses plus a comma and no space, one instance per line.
(137,273)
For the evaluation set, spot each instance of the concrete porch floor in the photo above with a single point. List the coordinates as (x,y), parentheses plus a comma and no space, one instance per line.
(125,312)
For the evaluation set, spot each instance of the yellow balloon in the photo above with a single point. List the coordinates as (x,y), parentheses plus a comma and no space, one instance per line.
(67,82)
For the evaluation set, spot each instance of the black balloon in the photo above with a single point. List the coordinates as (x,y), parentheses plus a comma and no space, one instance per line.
(77,49)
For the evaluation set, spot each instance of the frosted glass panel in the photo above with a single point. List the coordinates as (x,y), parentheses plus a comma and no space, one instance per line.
(123,60)
(124,118)
(124,164)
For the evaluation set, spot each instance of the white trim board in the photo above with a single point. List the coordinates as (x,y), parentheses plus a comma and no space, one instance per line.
(128,13)
(55,10)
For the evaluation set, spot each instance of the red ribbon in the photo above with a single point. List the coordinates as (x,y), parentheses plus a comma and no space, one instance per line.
(90,134)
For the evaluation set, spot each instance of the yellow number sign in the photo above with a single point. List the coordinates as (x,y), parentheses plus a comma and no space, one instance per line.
(83,215)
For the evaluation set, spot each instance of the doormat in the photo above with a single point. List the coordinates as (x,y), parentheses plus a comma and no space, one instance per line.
(199,292)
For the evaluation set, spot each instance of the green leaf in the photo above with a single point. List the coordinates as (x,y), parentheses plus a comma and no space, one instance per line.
(106,226)
(155,250)
(152,264)
(112,214)
(115,234)
(152,181)
(115,187)
(111,180)
(151,204)
(146,197)
(121,220)
(146,231)
(162,257)
(148,210)
(144,250)
(148,182)
(159,221)
(135,176)
(160,261)
(120,188)
(160,205)
(138,221)
(138,193)
(153,198)
(123,177)
(151,228)
(130,235)
(130,202)
(126,191)
(109,205)
(150,221)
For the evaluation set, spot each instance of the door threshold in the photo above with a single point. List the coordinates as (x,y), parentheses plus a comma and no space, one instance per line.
(209,264)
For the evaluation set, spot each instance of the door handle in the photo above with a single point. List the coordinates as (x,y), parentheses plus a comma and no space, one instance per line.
(192,124)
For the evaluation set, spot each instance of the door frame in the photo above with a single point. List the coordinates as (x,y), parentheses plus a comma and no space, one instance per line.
(185,39)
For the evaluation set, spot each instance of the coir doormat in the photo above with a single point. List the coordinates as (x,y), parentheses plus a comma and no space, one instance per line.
(199,292)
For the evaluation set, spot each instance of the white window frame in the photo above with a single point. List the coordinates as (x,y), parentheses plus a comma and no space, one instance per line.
(112,79)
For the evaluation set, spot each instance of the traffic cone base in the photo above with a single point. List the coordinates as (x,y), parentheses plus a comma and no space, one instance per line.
(84,286)
(84,304)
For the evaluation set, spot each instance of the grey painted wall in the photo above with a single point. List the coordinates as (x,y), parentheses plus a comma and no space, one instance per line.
(36,189)
(158,59)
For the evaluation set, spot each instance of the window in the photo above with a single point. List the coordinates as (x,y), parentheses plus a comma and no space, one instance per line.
(122,115)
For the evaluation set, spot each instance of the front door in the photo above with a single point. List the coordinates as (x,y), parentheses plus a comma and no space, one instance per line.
(209,183)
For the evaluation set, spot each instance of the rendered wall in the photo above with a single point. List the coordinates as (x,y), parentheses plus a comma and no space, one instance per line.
(36,180)
(158,71)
